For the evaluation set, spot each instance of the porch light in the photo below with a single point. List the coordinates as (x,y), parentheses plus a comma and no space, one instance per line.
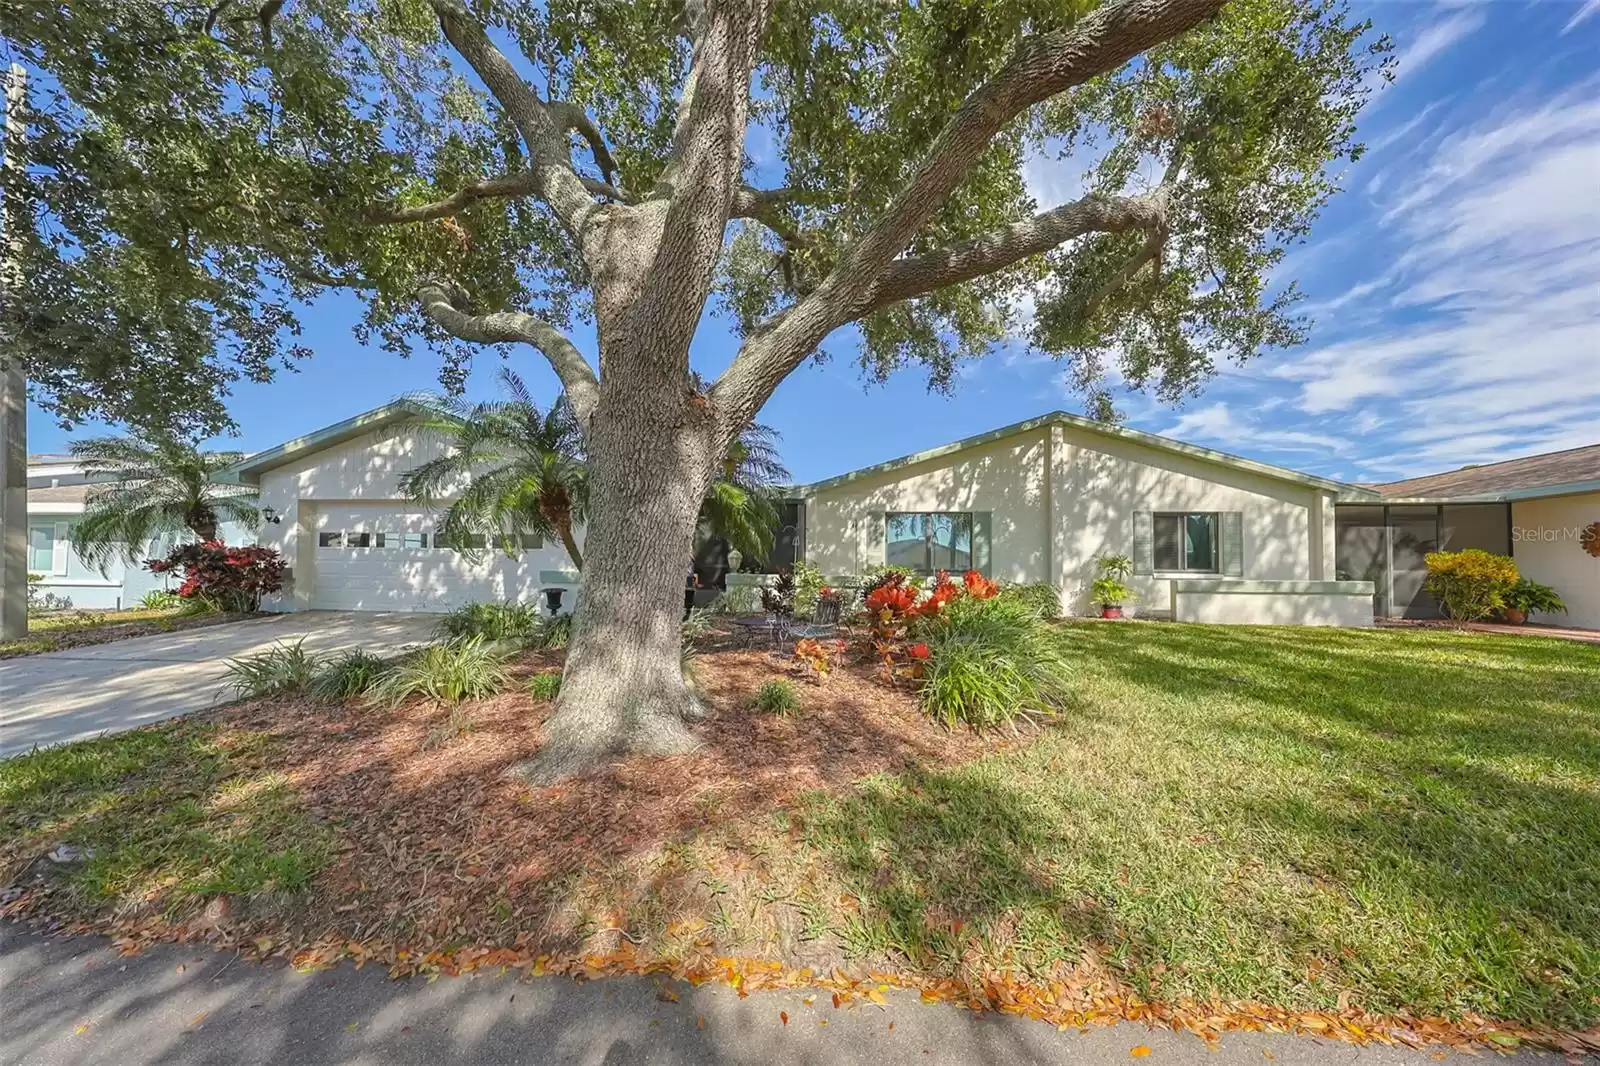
(271,516)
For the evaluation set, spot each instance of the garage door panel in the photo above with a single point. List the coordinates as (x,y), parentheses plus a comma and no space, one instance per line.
(411,579)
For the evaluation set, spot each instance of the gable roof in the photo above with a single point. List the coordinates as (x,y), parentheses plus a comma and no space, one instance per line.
(248,470)
(1104,429)
(1549,474)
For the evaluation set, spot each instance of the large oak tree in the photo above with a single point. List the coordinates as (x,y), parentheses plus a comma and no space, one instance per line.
(482,174)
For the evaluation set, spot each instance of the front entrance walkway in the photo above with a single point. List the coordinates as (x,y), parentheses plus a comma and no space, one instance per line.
(106,688)
(1529,629)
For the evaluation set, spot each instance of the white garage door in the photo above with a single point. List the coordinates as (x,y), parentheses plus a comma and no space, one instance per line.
(382,557)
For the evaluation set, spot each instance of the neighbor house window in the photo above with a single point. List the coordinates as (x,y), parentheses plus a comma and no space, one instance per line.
(930,541)
(330,540)
(1186,542)
(42,549)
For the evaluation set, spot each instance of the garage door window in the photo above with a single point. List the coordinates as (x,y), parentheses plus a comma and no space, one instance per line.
(330,540)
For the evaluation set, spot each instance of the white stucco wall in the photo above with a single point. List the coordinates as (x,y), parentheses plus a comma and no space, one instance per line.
(844,525)
(1305,603)
(1547,548)
(355,486)
(1061,497)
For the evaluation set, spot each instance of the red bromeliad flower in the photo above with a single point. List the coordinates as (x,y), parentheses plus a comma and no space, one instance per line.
(917,651)
(978,586)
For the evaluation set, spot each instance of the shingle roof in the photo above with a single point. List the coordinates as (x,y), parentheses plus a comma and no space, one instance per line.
(60,494)
(1513,475)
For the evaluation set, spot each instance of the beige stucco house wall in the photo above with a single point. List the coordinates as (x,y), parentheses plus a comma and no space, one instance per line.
(1548,548)
(1057,493)
(347,481)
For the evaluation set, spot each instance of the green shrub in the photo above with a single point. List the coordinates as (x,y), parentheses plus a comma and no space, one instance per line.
(738,599)
(447,673)
(1471,584)
(808,584)
(160,600)
(990,661)
(551,632)
(878,575)
(776,697)
(545,686)
(1530,597)
(697,626)
(282,668)
(491,621)
(352,674)
(1041,597)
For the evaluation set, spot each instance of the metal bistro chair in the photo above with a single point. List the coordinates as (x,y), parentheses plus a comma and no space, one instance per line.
(824,621)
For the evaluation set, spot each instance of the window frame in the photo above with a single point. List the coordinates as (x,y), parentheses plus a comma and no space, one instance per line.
(51,529)
(1183,566)
(930,570)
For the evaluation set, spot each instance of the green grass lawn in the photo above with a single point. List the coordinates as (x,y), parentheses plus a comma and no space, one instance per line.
(72,629)
(1411,819)
(1394,820)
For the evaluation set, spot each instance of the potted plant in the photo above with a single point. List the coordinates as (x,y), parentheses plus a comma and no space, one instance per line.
(1110,590)
(1526,597)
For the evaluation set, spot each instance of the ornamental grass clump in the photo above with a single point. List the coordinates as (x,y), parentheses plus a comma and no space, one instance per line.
(448,673)
(491,621)
(348,676)
(282,668)
(985,661)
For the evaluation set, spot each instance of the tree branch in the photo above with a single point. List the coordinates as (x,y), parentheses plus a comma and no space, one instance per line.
(522,183)
(1041,67)
(763,206)
(1002,247)
(543,129)
(574,117)
(440,302)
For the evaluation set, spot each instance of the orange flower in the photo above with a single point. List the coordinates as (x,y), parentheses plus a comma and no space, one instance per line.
(917,651)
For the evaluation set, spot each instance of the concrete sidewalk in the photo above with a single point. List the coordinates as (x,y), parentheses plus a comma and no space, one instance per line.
(73,1002)
(104,688)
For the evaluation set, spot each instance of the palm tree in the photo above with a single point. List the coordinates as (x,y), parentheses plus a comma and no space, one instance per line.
(160,485)
(517,469)
(742,505)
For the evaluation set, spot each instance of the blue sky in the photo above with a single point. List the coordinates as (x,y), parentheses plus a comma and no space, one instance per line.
(1454,286)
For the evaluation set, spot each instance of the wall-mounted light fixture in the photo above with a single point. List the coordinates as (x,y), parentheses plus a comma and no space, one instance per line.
(271,516)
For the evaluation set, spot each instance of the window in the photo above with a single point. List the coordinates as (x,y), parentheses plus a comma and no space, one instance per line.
(930,541)
(42,549)
(532,542)
(363,540)
(413,540)
(470,542)
(330,540)
(1186,542)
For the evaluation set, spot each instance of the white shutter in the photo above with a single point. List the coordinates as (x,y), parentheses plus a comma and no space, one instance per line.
(1144,543)
(60,548)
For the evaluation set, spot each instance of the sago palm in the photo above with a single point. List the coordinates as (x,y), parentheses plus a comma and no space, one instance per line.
(159,485)
(511,468)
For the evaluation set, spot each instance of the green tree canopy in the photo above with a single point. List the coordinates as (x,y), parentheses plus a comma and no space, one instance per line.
(199,170)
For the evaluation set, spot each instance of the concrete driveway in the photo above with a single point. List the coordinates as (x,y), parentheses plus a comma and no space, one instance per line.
(105,688)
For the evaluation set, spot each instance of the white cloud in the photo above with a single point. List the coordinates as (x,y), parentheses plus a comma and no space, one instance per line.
(1492,306)
(1217,423)
(1589,8)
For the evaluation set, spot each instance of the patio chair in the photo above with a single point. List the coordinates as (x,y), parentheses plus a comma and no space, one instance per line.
(824,621)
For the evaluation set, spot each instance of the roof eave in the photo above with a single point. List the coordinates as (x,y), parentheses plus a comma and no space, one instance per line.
(1062,418)
(248,470)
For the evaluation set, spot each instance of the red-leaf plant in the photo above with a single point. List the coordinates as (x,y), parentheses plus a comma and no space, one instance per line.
(236,578)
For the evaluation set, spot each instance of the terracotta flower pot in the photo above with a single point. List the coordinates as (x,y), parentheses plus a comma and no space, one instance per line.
(1514,617)
(1110,612)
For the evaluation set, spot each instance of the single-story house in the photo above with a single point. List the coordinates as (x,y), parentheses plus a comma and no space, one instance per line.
(58,494)
(1542,510)
(1213,536)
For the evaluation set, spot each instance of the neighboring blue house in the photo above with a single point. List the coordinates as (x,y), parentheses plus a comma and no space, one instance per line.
(58,492)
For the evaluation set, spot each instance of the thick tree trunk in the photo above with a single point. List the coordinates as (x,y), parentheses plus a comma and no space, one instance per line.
(623,690)
(203,521)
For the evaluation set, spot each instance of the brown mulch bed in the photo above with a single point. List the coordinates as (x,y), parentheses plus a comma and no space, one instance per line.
(42,641)
(437,846)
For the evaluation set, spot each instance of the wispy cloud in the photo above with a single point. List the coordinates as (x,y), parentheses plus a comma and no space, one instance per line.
(1589,8)
(1491,306)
